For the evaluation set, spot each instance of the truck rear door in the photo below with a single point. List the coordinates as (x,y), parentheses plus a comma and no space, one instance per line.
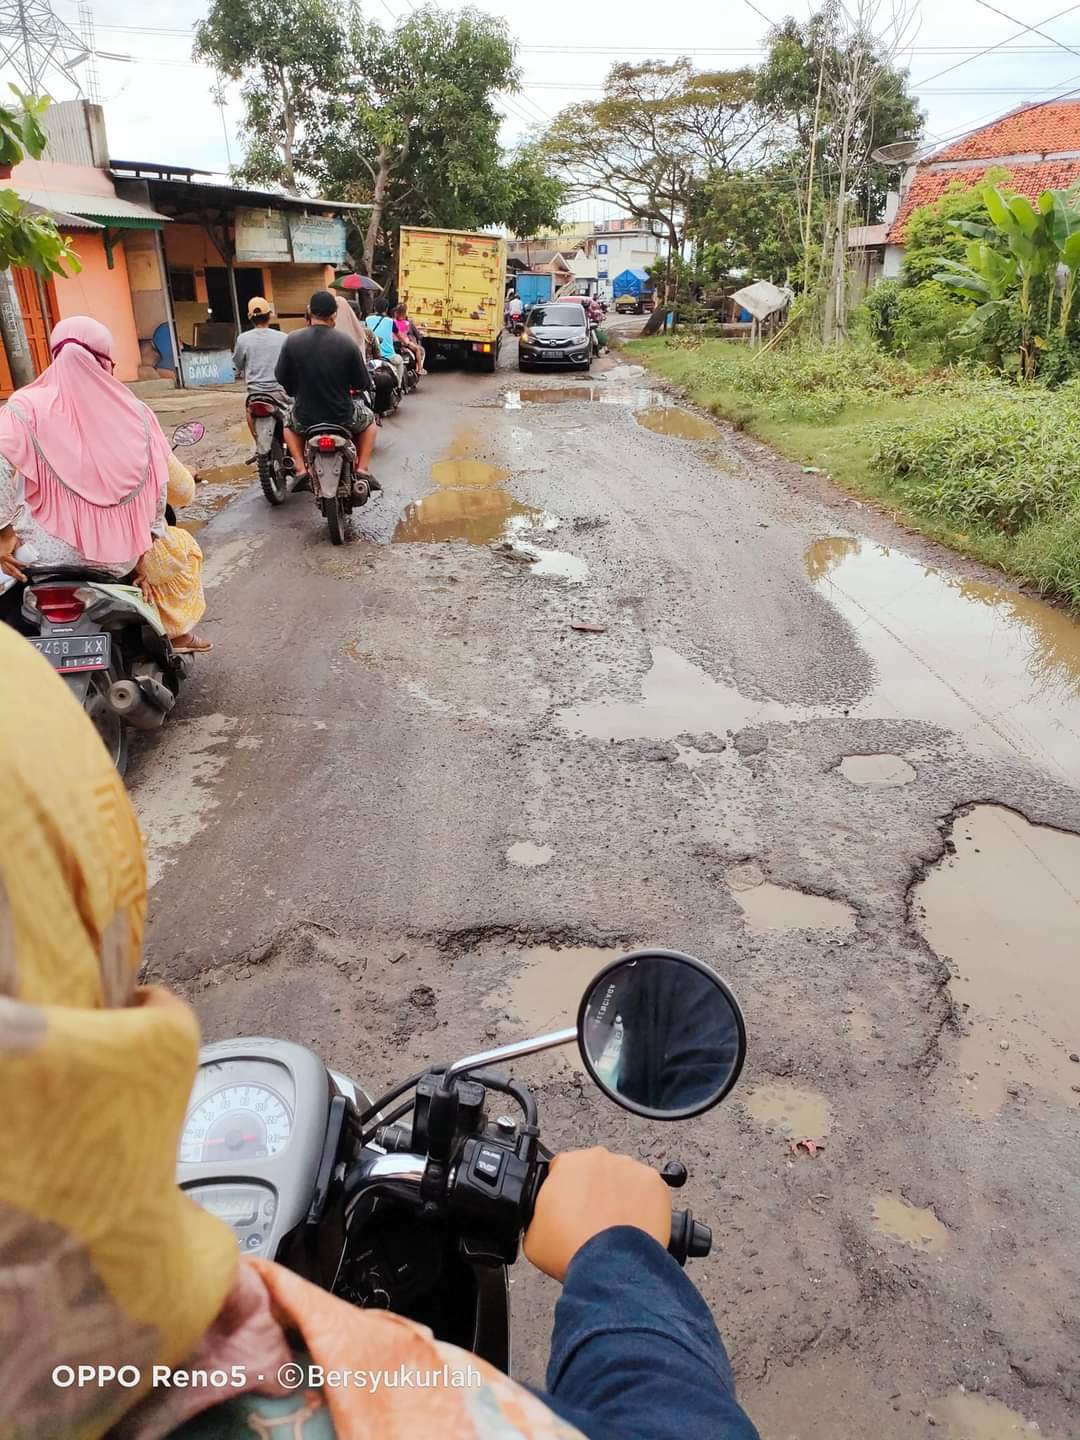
(475,295)
(425,278)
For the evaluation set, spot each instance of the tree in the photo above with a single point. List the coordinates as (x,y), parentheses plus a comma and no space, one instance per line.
(290,57)
(805,86)
(659,128)
(26,238)
(750,223)
(419,123)
(931,233)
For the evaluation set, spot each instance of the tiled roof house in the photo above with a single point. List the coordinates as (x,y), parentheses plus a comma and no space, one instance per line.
(1038,144)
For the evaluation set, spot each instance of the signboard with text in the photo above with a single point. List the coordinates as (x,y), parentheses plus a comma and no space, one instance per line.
(207,367)
(317,240)
(262,235)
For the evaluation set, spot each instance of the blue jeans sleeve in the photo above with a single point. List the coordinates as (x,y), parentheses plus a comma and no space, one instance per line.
(635,1353)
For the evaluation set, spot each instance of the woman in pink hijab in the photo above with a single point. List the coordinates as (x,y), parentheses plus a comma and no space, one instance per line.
(85,473)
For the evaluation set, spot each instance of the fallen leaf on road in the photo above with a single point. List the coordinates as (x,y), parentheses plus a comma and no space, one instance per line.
(810,1146)
(588,629)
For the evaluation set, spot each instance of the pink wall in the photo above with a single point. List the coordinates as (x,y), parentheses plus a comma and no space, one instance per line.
(103,294)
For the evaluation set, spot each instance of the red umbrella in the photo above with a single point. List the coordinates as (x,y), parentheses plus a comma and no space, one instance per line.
(354,282)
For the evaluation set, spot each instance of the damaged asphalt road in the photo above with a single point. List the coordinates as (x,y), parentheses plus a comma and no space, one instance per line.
(406,810)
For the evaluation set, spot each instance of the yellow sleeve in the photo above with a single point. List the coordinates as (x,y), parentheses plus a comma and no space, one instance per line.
(181,490)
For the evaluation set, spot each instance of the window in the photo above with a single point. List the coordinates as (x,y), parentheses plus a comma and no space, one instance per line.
(182,284)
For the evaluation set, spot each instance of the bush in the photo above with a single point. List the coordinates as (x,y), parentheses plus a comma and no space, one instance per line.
(918,322)
(1001,459)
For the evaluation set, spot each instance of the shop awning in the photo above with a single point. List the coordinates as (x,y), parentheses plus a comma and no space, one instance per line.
(108,211)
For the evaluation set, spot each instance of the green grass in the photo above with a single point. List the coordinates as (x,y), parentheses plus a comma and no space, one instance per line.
(985,467)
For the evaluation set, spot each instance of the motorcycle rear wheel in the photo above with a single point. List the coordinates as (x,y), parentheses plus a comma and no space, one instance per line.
(272,474)
(335,520)
(115,735)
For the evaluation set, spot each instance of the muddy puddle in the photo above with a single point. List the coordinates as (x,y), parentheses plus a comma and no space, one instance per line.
(227,475)
(677,698)
(681,424)
(766,906)
(191,526)
(1004,909)
(918,1228)
(527,854)
(876,770)
(797,1114)
(546,993)
(457,473)
(998,668)
(477,516)
(629,397)
(966,1416)
(558,564)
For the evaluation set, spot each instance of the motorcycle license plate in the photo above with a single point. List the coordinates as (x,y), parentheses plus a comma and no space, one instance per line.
(74,652)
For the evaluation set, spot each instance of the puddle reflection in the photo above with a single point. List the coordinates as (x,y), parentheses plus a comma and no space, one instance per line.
(478,516)
(681,424)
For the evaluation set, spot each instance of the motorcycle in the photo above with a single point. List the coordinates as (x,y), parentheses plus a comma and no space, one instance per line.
(330,453)
(387,392)
(275,464)
(108,643)
(411,378)
(416,1202)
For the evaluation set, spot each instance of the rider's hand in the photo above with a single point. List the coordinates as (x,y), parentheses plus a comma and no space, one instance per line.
(9,543)
(587,1192)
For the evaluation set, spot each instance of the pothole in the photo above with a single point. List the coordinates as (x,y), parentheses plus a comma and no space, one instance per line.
(478,517)
(528,854)
(681,424)
(227,474)
(676,697)
(766,906)
(797,1114)
(636,398)
(918,1228)
(547,991)
(455,473)
(876,770)
(965,1416)
(1004,906)
(999,668)
(558,564)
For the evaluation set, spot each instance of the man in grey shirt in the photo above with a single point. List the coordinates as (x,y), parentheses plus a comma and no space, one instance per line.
(256,355)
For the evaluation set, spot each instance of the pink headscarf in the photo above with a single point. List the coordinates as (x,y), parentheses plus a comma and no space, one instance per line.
(94,459)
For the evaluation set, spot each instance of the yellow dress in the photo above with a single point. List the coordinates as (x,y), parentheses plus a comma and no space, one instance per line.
(172,567)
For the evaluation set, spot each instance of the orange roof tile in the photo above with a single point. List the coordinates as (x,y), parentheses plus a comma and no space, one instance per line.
(1030,130)
(1029,180)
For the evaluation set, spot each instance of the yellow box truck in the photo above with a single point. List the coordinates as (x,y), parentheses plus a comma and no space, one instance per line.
(454,283)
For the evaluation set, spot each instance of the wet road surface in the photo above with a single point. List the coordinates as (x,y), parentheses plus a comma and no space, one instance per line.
(406,810)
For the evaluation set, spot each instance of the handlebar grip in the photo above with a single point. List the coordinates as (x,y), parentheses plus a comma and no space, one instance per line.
(690,1240)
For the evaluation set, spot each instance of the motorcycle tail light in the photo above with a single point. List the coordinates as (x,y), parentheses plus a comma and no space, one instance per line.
(60,604)
(326,442)
(260,407)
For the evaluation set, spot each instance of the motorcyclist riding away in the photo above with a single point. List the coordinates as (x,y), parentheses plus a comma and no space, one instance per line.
(107,1264)
(325,373)
(257,352)
(381,325)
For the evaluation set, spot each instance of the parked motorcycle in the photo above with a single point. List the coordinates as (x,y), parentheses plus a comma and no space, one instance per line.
(108,643)
(275,464)
(330,454)
(416,1202)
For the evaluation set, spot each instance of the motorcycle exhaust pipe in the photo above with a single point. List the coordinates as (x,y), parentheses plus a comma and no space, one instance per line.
(142,703)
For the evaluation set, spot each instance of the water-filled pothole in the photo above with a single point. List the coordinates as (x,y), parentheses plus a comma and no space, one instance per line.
(967,1416)
(676,697)
(632,398)
(546,992)
(682,424)
(766,906)
(876,770)
(797,1114)
(1004,906)
(464,472)
(998,668)
(899,1220)
(477,516)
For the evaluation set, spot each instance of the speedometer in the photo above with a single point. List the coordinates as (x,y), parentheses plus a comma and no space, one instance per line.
(237,1122)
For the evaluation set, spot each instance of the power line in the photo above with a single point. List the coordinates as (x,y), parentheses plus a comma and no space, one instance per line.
(1024,30)
(1013,21)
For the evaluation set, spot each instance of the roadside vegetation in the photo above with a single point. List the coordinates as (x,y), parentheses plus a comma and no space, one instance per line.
(989,467)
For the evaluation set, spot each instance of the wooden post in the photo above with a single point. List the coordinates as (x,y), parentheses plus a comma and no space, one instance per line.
(20,360)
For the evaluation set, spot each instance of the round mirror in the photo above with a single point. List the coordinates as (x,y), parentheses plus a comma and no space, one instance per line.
(661,1034)
(189,434)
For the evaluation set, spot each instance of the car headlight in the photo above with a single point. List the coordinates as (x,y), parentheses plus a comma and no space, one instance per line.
(580,339)
(528,336)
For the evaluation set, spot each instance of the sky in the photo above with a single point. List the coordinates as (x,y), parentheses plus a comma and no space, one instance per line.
(158,103)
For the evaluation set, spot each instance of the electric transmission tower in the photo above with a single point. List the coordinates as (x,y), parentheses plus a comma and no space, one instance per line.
(36,44)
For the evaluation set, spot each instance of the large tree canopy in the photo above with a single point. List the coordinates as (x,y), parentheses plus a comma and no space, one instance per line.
(403,119)
(658,128)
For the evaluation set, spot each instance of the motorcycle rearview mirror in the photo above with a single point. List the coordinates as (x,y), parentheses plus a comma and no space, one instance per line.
(189,434)
(661,1034)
